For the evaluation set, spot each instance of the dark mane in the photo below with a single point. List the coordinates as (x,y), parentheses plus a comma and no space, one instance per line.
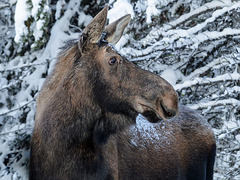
(67,45)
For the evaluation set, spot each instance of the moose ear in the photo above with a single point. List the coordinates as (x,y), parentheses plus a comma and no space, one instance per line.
(93,31)
(115,30)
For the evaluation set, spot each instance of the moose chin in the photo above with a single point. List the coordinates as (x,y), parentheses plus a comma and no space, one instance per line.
(85,126)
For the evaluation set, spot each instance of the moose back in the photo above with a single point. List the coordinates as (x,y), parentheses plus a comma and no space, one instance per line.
(85,125)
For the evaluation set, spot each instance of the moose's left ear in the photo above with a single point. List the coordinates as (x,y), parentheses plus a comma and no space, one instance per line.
(94,30)
(115,30)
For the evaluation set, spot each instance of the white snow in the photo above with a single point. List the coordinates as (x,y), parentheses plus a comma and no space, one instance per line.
(146,131)
(201,105)
(198,80)
(60,4)
(37,30)
(36,6)
(120,8)
(238,137)
(207,35)
(141,6)
(168,29)
(152,10)
(231,124)
(84,19)
(216,63)
(205,7)
(11,2)
(173,37)
(175,7)
(22,13)
(58,35)
(171,75)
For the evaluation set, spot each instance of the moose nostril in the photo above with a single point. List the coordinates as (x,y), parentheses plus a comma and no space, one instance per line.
(171,114)
(167,112)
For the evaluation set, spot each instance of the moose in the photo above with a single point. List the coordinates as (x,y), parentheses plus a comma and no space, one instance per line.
(85,124)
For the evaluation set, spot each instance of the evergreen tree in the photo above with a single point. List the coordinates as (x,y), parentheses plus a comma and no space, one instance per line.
(193,44)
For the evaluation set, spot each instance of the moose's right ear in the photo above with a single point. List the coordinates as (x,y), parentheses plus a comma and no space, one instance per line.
(93,31)
(115,30)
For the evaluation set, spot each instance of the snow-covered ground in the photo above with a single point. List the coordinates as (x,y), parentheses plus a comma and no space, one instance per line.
(192,44)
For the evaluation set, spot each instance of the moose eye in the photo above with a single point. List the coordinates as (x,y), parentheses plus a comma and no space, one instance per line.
(112,61)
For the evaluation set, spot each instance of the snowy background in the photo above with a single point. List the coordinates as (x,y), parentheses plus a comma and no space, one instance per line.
(194,44)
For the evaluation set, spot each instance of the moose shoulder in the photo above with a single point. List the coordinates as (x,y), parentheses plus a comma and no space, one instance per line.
(85,125)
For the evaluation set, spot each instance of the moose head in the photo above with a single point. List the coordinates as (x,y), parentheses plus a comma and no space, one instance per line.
(117,86)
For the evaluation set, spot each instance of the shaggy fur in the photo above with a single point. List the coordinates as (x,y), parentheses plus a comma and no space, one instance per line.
(86,115)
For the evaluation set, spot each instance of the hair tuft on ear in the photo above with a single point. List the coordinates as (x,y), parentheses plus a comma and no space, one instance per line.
(93,31)
(82,42)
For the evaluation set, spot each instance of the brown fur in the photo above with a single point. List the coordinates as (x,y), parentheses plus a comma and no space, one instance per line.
(86,115)
(180,148)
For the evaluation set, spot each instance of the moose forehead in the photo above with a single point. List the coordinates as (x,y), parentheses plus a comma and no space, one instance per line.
(106,49)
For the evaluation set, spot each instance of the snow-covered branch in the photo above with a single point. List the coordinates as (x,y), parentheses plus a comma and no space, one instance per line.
(193,44)
(204,81)
(212,104)
(23,66)
(21,105)
(201,10)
